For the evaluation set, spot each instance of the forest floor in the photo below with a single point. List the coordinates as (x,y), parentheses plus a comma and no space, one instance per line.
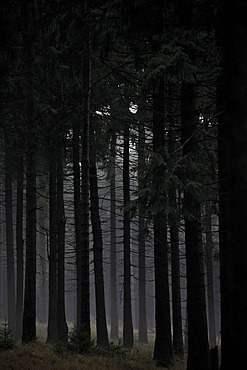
(42,356)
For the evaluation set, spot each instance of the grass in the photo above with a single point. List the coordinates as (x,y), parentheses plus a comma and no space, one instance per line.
(42,356)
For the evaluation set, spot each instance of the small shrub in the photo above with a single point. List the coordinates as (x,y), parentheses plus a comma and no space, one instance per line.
(80,342)
(60,348)
(112,350)
(6,338)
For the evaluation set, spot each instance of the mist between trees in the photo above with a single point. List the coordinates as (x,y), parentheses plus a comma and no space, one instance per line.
(123,175)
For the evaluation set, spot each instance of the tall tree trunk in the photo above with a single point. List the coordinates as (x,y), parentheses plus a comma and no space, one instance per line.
(163,352)
(175,267)
(77,213)
(29,314)
(142,328)
(128,339)
(198,348)
(9,232)
(19,246)
(52,334)
(224,154)
(233,181)
(83,290)
(62,328)
(101,326)
(3,298)
(210,278)
(174,242)
(112,175)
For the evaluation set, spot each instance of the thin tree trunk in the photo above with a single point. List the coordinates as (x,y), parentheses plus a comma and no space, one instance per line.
(198,348)
(112,175)
(175,261)
(101,326)
(19,246)
(52,334)
(163,352)
(9,233)
(128,340)
(210,278)
(142,329)
(62,328)
(29,314)
(83,292)
(176,289)
(77,214)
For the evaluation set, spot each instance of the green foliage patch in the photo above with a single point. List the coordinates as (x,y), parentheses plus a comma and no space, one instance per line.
(6,338)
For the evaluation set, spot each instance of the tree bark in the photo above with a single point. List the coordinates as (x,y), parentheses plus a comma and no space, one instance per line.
(163,352)
(233,181)
(210,277)
(176,288)
(128,340)
(9,233)
(142,328)
(175,250)
(83,282)
(112,175)
(62,328)
(29,314)
(52,334)
(198,348)
(101,326)
(19,246)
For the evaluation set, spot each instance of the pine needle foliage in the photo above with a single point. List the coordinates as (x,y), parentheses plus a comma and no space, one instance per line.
(6,338)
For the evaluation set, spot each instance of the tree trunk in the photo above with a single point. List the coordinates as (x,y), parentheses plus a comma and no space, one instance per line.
(175,267)
(19,246)
(142,329)
(163,352)
(101,326)
(29,314)
(62,328)
(210,278)
(175,252)
(83,282)
(77,213)
(52,334)
(128,340)
(198,349)
(112,175)
(233,181)
(9,232)
(3,298)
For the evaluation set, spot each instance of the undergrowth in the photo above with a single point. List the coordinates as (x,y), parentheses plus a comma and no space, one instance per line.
(42,356)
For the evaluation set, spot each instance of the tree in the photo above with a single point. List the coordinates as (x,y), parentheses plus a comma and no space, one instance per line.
(210,278)
(128,339)
(198,348)
(29,32)
(101,327)
(163,351)
(83,294)
(53,245)
(62,328)
(142,332)
(113,241)
(232,32)
(174,222)
(9,230)
(19,245)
